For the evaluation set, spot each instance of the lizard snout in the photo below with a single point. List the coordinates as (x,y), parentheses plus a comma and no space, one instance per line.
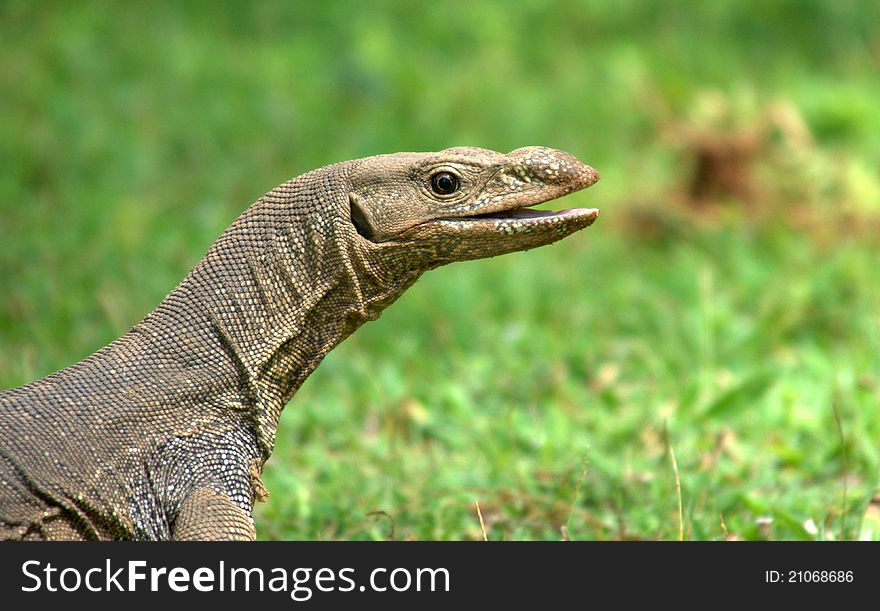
(551,167)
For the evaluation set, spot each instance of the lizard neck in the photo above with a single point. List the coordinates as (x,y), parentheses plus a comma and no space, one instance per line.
(285,284)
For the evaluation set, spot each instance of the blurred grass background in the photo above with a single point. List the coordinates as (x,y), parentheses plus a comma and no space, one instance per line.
(725,306)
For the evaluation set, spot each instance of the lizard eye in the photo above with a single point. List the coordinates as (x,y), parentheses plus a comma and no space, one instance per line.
(444,183)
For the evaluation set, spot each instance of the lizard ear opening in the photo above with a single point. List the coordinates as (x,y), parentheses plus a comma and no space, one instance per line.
(359,218)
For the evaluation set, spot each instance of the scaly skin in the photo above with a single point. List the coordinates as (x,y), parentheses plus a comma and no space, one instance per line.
(163,433)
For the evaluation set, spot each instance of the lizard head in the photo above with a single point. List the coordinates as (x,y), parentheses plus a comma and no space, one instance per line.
(465,203)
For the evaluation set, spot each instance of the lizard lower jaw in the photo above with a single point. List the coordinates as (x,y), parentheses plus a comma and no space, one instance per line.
(531,213)
(523,220)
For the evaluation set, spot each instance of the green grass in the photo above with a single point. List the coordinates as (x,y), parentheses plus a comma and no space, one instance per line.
(549,385)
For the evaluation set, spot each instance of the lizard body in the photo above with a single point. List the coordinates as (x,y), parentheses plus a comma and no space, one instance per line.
(162,434)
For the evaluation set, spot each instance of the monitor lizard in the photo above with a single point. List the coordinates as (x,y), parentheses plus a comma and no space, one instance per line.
(163,433)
